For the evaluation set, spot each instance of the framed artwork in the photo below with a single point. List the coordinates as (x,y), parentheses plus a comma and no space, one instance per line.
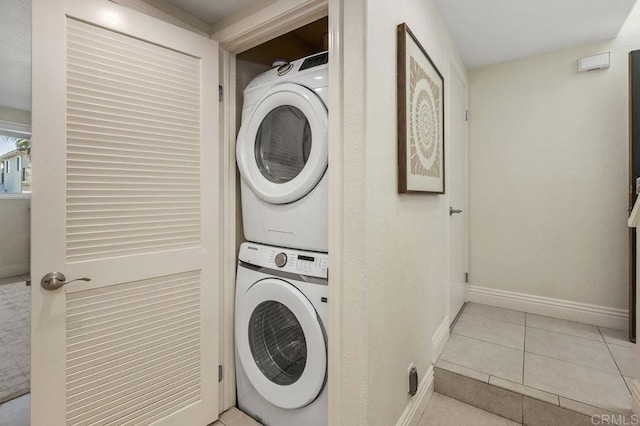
(420,118)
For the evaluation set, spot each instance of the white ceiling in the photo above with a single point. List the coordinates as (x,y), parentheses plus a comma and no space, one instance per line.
(485,31)
(211,11)
(492,31)
(15,54)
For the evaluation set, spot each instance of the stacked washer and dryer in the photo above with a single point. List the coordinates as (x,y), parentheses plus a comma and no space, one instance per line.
(281,292)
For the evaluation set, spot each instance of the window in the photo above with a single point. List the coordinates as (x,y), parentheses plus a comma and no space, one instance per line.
(15,153)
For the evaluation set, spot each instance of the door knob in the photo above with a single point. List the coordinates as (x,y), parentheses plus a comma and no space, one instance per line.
(452,211)
(55,280)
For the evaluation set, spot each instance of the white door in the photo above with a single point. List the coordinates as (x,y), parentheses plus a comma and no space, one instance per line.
(125,192)
(458,213)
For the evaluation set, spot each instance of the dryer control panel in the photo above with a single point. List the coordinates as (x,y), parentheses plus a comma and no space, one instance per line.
(307,263)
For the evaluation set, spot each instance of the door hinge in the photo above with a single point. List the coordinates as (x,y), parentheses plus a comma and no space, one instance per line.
(219,373)
(466,277)
(466,115)
(220,92)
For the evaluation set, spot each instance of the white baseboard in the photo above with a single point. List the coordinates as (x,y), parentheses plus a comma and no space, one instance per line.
(418,404)
(635,397)
(12,270)
(440,338)
(558,308)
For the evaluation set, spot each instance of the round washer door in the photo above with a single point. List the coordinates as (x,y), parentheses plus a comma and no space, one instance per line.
(281,343)
(282,146)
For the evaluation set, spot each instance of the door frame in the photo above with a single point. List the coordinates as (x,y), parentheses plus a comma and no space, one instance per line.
(235,35)
(454,67)
(346,94)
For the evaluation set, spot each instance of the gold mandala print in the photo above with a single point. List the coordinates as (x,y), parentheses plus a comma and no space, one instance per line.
(424,123)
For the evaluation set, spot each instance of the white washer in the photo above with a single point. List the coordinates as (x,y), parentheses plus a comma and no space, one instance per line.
(281,342)
(282,155)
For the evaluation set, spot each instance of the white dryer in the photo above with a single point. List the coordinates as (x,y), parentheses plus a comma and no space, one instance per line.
(282,155)
(281,342)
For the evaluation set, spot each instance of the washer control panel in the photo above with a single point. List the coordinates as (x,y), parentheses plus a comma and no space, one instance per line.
(294,261)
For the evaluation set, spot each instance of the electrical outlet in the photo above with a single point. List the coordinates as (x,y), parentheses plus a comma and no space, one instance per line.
(413,379)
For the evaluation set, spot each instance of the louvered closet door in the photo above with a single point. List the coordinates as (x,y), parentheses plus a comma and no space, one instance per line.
(125,192)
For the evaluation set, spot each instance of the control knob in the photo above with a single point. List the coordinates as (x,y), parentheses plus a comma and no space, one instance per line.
(281,260)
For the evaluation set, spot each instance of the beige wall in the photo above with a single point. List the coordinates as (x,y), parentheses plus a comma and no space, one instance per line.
(548,174)
(15,217)
(15,115)
(396,253)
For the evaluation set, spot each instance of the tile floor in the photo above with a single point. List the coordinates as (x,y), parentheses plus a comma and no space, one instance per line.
(15,369)
(234,417)
(572,365)
(16,413)
(445,411)
(568,361)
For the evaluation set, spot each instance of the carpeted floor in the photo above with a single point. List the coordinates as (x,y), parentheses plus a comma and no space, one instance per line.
(15,368)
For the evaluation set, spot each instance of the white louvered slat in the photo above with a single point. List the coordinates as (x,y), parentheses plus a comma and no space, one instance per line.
(133,146)
(133,349)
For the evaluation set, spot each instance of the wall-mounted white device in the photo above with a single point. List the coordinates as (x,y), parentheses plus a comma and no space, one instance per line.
(595,62)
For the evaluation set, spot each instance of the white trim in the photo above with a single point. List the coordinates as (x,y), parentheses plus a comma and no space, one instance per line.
(13,270)
(558,308)
(252,27)
(283,16)
(418,404)
(338,403)
(455,67)
(17,130)
(15,196)
(635,396)
(230,236)
(440,338)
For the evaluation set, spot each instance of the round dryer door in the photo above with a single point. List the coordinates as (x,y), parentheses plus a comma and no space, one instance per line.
(281,343)
(282,145)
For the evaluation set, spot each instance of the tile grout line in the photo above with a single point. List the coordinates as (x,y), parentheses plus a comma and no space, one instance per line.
(533,326)
(625,344)
(615,362)
(483,341)
(619,345)
(460,365)
(537,354)
(567,334)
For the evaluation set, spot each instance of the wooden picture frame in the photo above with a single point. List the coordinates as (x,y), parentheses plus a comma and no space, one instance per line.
(420,92)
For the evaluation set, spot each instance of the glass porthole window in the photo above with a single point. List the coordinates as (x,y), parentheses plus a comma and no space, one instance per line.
(283,144)
(277,343)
